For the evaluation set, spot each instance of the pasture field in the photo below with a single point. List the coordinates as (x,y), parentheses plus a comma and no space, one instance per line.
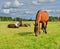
(23,37)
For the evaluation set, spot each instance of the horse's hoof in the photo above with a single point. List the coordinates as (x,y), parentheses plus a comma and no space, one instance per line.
(45,32)
(36,35)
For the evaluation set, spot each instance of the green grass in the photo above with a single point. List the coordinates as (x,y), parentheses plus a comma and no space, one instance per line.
(23,37)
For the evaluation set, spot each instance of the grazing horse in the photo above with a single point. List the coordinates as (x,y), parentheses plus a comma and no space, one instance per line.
(41,17)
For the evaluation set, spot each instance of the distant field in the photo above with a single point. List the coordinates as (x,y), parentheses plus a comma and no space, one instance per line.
(23,37)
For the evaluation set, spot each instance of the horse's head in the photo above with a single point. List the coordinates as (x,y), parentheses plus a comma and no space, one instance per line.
(20,23)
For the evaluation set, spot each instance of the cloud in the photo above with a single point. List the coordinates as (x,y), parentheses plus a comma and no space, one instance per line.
(49,10)
(0,8)
(35,2)
(14,3)
(42,0)
(7,4)
(38,2)
(6,11)
(52,0)
(29,12)
(12,10)
(53,11)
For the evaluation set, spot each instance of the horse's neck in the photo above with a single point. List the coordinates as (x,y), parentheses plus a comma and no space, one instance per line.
(37,18)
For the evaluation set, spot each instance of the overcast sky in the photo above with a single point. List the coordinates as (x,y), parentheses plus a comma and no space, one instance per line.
(28,8)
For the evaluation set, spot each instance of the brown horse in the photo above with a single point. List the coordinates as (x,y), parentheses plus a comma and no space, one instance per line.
(41,17)
(12,26)
(15,25)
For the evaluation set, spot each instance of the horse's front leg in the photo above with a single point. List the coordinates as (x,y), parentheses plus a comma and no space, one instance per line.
(45,28)
(39,28)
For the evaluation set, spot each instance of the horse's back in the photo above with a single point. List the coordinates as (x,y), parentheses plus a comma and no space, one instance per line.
(42,16)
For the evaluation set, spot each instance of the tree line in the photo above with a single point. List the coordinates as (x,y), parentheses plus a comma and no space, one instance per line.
(4,18)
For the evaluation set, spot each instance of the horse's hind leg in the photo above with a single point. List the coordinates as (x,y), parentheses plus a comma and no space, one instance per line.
(45,30)
(42,26)
(38,28)
(45,26)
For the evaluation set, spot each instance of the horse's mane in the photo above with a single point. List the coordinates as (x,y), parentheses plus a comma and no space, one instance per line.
(37,13)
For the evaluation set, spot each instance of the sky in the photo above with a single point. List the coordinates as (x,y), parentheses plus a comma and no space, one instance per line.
(28,8)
